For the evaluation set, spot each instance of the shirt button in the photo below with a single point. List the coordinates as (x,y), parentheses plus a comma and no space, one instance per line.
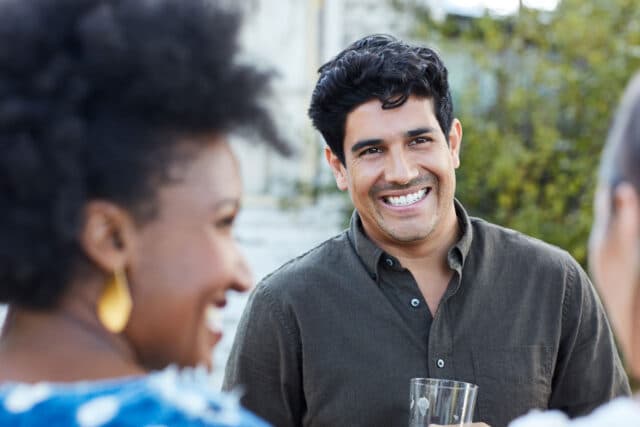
(415,302)
(440,363)
(389,262)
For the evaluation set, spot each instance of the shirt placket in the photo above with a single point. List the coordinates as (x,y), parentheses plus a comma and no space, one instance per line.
(402,292)
(440,360)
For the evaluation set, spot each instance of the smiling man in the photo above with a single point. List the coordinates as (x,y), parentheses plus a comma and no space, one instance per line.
(415,287)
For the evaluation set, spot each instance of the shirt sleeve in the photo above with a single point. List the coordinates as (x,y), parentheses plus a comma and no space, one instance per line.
(588,370)
(265,361)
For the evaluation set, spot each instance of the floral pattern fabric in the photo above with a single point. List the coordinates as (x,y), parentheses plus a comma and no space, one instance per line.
(621,412)
(170,397)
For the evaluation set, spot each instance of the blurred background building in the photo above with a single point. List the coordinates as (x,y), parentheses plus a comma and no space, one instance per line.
(294,38)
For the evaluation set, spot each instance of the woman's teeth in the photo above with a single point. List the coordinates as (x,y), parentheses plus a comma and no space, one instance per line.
(407,199)
(214,319)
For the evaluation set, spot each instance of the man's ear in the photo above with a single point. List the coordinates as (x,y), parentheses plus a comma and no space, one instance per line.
(338,169)
(107,235)
(455,141)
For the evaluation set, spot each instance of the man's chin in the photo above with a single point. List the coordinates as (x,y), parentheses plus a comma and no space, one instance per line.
(407,236)
(408,231)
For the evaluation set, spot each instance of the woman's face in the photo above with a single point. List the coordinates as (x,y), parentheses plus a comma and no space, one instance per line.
(614,260)
(185,260)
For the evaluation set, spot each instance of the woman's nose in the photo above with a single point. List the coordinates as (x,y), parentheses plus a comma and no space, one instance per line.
(243,279)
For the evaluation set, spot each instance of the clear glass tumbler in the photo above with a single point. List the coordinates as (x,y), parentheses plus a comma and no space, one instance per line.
(441,402)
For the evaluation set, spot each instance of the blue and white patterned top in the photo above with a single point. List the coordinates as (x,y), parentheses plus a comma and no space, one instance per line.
(620,412)
(170,397)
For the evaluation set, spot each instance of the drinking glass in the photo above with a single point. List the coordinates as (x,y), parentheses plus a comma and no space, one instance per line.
(441,402)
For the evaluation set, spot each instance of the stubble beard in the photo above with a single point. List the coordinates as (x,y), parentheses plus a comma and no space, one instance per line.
(419,234)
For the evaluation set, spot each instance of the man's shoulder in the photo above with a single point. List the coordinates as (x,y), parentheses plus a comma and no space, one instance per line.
(510,243)
(318,263)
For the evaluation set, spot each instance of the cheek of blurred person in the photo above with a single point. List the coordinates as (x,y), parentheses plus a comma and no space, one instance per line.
(185,260)
(614,259)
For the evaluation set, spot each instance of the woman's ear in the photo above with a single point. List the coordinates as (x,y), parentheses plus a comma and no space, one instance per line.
(107,235)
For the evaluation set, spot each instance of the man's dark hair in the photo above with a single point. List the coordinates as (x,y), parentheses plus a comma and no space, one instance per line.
(377,67)
(95,96)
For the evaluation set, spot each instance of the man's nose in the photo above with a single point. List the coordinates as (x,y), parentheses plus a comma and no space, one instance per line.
(400,167)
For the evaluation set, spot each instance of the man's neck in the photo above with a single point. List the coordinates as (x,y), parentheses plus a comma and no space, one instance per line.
(427,259)
(430,252)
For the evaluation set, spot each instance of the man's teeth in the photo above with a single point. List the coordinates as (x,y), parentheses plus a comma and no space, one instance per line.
(406,200)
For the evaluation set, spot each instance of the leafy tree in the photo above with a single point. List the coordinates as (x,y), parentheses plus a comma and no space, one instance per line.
(536,105)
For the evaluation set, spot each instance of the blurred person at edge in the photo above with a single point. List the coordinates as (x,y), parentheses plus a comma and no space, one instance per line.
(415,287)
(614,259)
(118,193)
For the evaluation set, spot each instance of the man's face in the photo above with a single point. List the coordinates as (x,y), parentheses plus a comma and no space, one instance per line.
(613,260)
(399,170)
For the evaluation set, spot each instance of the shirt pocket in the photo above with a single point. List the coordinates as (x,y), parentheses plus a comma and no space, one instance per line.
(511,382)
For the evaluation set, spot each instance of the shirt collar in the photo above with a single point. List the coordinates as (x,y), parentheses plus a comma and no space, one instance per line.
(370,254)
(458,252)
(367,251)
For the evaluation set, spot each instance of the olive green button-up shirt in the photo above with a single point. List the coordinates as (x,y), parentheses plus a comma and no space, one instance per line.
(333,337)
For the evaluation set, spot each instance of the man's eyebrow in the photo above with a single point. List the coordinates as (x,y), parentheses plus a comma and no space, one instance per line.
(365,143)
(419,131)
(377,141)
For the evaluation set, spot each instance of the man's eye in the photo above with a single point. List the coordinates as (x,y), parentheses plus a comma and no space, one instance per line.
(420,140)
(371,150)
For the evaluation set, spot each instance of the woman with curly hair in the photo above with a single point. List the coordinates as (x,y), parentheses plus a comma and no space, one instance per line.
(614,258)
(118,192)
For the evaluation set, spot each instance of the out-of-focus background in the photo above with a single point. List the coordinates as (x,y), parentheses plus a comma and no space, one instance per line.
(535,84)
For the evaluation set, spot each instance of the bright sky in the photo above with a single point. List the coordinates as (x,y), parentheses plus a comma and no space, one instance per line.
(502,7)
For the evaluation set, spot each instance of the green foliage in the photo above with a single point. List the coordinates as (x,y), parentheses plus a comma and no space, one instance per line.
(535,105)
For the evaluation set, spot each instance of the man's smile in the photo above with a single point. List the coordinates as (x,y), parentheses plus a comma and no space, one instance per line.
(407,199)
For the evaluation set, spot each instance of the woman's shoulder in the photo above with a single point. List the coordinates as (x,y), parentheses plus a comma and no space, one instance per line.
(169,397)
(616,413)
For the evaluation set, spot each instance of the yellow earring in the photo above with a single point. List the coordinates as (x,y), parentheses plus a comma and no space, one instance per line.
(115,304)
